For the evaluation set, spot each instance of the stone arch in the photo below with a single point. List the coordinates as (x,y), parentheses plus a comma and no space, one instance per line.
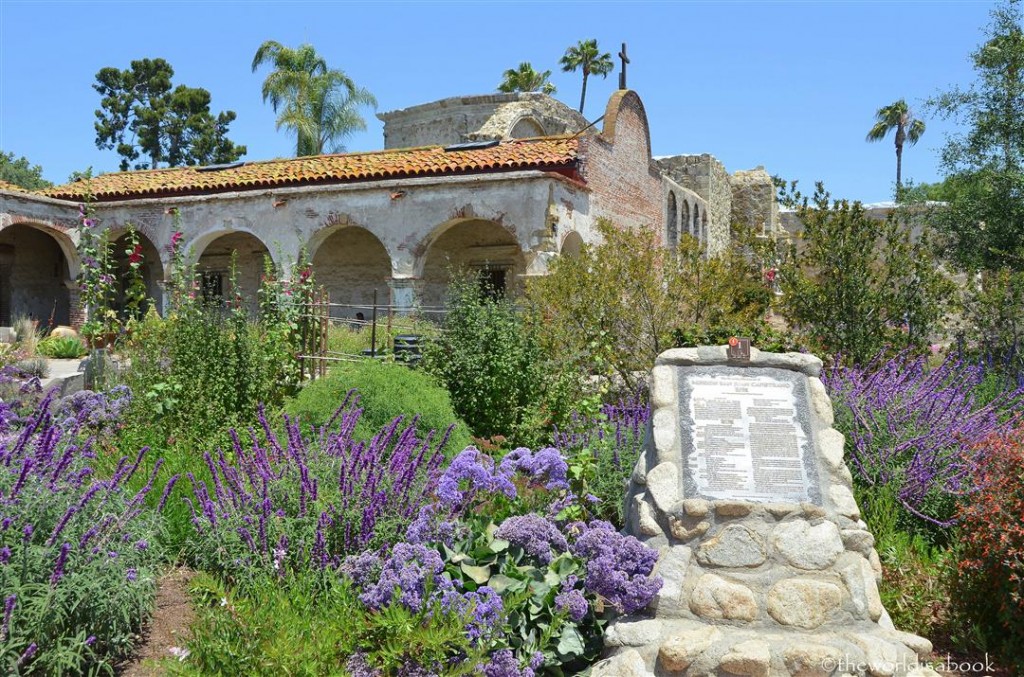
(152,266)
(671,223)
(350,262)
(695,225)
(213,251)
(685,218)
(37,267)
(478,245)
(704,227)
(572,244)
(525,128)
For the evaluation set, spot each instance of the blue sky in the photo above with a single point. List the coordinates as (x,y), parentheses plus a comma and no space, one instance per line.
(792,86)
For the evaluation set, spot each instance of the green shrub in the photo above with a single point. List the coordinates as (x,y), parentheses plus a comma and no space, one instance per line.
(914,586)
(312,624)
(197,374)
(489,359)
(386,390)
(61,347)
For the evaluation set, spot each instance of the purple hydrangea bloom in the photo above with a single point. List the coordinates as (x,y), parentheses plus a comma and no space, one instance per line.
(430,526)
(503,663)
(407,573)
(534,534)
(487,612)
(571,601)
(618,566)
(471,472)
(358,666)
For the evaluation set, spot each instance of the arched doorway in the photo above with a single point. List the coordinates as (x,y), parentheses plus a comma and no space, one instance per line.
(35,277)
(351,263)
(152,269)
(214,267)
(481,247)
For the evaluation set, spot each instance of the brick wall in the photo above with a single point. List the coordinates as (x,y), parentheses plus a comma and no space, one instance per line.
(626,186)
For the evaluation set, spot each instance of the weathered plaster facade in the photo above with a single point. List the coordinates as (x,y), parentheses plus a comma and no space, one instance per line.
(390,221)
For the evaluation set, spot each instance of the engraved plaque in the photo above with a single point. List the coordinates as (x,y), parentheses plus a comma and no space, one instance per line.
(749,440)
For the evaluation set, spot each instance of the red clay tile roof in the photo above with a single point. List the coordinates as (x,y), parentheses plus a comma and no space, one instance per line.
(548,153)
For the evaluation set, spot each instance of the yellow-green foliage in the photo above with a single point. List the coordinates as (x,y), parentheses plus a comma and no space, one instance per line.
(619,304)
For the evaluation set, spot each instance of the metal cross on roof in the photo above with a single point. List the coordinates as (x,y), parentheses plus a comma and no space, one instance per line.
(625,60)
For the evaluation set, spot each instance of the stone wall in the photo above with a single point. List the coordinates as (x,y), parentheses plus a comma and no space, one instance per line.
(706,176)
(753,202)
(681,204)
(470,118)
(479,247)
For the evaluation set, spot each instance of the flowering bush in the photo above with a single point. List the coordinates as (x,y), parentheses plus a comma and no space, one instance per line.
(989,586)
(76,555)
(908,424)
(602,451)
(559,581)
(307,501)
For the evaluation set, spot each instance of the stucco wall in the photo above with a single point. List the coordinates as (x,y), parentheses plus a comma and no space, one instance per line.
(350,264)
(536,209)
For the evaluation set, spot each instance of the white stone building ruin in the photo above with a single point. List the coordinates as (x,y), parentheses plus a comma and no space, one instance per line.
(501,183)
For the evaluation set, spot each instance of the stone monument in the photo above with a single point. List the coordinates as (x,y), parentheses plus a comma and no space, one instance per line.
(768,568)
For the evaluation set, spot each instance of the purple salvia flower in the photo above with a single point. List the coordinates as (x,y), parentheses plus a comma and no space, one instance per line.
(58,569)
(8,610)
(167,491)
(29,653)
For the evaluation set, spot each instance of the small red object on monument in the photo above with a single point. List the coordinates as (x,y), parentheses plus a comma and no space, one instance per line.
(739,349)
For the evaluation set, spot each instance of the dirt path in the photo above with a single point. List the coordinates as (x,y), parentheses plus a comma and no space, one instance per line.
(169,626)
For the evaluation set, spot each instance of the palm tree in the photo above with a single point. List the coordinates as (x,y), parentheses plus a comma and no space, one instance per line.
(586,56)
(318,103)
(897,116)
(526,79)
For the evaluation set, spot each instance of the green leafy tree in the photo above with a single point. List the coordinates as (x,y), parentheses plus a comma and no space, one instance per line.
(142,116)
(21,173)
(985,165)
(897,116)
(586,56)
(526,79)
(321,105)
(854,285)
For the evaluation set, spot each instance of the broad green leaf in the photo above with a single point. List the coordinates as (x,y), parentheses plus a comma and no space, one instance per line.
(479,574)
